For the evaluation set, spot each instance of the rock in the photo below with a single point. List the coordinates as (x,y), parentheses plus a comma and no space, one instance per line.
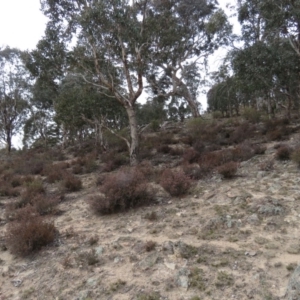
(170,265)
(253,219)
(99,250)
(293,288)
(92,281)
(149,261)
(183,278)
(168,247)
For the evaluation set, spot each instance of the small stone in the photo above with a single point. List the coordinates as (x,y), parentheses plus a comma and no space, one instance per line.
(196,197)
(17,282)
(170,265)
(252,253)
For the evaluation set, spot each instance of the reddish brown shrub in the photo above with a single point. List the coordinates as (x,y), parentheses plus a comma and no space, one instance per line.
(241,133)
(191,156)
(6,189)
(54,173)
(194,172)
(175,182)
(228,170)
(283,153)
(45,205)
(165,149)
(29,233)
(123,190)
(71,183)
(242,152)
(114,160)
(32,190)
(259,149)
(212,159)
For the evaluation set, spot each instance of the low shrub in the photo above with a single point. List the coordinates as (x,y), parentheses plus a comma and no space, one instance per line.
(244,131)
(71,183)
(283,153)
(228,170)
(54,173)
(194,171)
(259,149)
(45,205)
(6,189)
(175,182)
(243,152)
(29,233)
(191,156)
(122,191)
(32,190)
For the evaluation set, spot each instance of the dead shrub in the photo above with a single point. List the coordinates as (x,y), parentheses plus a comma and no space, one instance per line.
(71,183)
(175,182)
(176,151)
(29,233)
(283,153)
(228,170)
(122,191)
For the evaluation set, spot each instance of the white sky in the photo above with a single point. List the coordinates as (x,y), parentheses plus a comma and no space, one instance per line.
(22,25)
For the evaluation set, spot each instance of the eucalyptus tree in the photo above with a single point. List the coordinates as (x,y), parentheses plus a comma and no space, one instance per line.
(81,108)
(14,94)
(112,39)
(186,33)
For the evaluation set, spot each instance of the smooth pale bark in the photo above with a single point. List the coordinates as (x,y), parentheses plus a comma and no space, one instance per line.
(134,138)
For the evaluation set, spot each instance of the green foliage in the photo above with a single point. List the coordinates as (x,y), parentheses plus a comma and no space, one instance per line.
(252,115)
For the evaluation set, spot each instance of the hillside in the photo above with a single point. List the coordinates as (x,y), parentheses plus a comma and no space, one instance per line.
(223,238)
